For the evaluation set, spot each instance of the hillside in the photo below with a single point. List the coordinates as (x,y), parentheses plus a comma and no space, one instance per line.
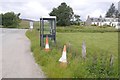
(24,24)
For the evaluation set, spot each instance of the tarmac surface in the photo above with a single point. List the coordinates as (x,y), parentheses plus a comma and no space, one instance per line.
(16,57)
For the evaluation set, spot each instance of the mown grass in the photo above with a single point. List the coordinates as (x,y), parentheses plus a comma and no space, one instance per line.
(100,46)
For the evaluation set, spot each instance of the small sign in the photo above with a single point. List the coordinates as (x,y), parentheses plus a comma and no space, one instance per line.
(31,25)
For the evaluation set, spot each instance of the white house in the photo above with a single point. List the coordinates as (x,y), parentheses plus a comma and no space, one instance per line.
(103,21)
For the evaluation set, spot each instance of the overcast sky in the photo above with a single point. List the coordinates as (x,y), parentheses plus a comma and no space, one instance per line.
(34,9)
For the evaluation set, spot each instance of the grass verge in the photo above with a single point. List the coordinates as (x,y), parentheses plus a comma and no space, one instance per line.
(100,46)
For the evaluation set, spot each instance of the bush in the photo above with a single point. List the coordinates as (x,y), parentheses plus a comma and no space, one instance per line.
(93,25)
(10,20)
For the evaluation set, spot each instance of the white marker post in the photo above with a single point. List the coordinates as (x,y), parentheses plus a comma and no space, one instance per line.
(31,25)
(83,50)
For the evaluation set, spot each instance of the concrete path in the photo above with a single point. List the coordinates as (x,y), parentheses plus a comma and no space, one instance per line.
(17,60)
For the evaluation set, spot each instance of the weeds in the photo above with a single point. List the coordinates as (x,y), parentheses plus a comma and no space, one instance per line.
(96,64)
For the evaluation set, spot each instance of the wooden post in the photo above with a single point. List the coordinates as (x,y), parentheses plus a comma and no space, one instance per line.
(111,60)
(83,50)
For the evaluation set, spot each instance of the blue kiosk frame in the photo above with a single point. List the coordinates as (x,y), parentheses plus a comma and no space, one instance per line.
(52,35)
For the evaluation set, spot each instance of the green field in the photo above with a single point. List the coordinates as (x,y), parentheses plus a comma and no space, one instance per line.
(100,46)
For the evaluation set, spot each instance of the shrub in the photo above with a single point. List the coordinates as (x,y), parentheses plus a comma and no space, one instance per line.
(10,20)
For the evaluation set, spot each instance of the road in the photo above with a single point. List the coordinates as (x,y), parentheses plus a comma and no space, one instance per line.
(0,54)
(17,59)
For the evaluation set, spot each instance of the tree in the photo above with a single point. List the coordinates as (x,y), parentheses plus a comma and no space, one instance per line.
(10,19)
(63,13)
(77,19)
(117,13)
(112,12)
